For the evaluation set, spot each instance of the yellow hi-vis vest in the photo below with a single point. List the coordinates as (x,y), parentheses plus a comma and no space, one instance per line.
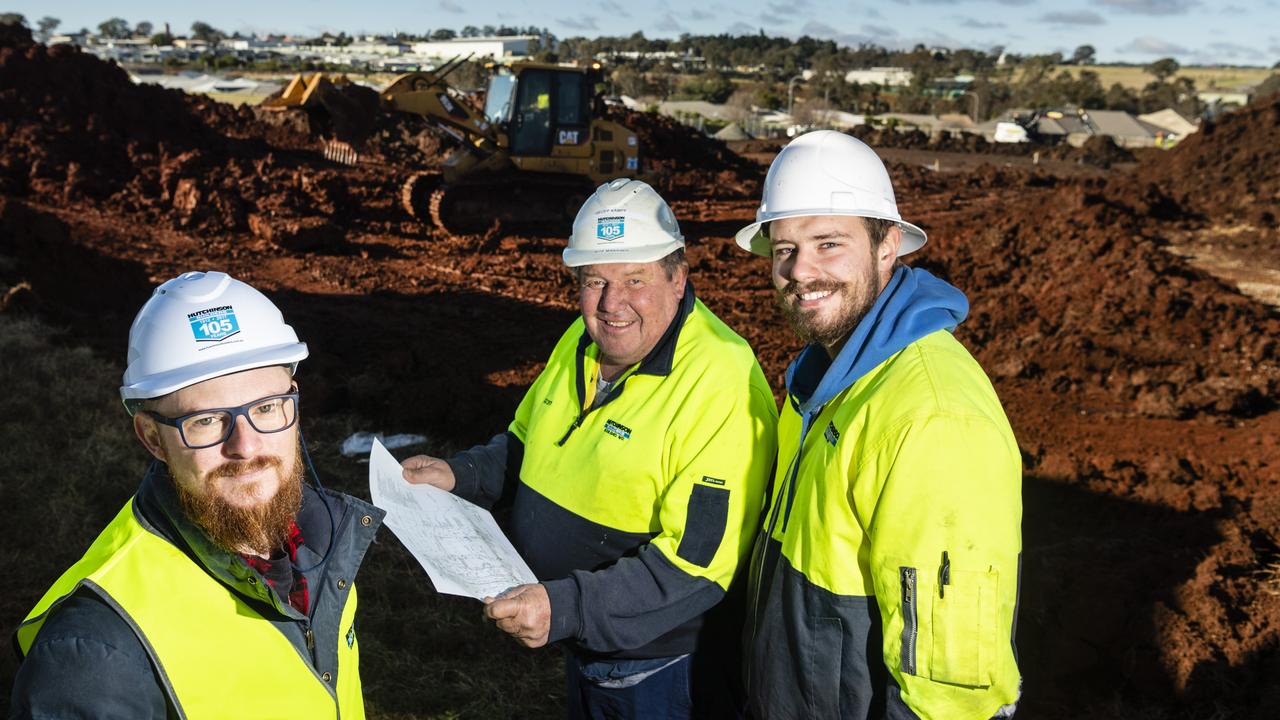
(216,655)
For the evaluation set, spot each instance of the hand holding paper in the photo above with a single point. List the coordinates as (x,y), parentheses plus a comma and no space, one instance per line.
(457,543)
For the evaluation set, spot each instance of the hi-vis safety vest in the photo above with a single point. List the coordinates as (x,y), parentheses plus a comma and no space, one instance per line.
(215,654)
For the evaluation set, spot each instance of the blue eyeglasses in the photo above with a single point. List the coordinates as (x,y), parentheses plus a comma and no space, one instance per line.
(206,428)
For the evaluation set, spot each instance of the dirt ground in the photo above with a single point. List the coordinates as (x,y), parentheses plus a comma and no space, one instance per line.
(1139,378)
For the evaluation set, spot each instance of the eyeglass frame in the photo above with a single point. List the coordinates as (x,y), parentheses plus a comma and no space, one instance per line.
(236,412)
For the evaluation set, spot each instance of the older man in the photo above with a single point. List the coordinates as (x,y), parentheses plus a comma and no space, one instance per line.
(885,582)
(225,586)
(638,458)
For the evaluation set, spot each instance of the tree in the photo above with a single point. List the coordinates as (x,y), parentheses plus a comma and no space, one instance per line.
(162,38)
(470,31)
(201,30)
(12,18)
(443,34)
(143,29)
(1084,55)
(114,28)
(1163,69)
(46,25)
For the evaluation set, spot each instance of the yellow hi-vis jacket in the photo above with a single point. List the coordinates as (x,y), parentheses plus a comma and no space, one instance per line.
(886,580)
(213,651)
(637,512)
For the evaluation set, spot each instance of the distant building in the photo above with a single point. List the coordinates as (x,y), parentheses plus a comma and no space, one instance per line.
(482,47)
(882,76)
(1174,125)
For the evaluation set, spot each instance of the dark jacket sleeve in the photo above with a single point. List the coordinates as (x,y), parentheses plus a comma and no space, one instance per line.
(483,473)
(87,663)
(628,604)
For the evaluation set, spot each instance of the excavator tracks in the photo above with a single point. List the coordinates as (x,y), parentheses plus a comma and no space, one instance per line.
(543,205)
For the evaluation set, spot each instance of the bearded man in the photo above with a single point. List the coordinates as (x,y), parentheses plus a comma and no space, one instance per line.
(885,581)
(225,586)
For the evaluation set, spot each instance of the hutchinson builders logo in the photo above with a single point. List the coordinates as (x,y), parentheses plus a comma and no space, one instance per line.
(611,228)
(214,324)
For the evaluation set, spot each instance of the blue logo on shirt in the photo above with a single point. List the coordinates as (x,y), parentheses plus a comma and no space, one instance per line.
(611,228)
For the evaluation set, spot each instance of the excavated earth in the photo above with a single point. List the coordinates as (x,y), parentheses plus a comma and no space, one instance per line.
(1142,389)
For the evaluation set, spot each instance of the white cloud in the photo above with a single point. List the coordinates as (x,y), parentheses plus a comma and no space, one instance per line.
(451,7)
(1149,45)
(669,24)
(700,14)
(978,24)
(1235,51)
(616,9)
(879,31)
(1073,17)
(1150,7)
(582,22)
(813,28)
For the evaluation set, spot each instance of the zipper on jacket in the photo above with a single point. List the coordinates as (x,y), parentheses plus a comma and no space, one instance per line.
(576,424)
(909,619)
(311,642)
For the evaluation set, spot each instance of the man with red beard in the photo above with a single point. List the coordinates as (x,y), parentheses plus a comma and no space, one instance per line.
(225,586)
(884,583)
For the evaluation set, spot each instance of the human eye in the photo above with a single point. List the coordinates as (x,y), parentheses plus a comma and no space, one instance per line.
(205,421)
(268,407)
(782,251)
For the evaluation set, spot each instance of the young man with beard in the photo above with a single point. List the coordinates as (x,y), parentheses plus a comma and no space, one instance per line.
(885,580)
(637,461)
(225,586)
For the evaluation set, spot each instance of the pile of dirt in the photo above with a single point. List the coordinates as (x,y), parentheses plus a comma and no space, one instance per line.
(1227,171)
(75,129)
(686,162)
(1072,288)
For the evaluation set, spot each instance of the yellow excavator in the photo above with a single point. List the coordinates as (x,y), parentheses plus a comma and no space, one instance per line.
(531,155)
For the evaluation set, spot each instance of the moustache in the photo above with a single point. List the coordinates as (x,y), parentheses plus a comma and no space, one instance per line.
(232,469)
(797,289)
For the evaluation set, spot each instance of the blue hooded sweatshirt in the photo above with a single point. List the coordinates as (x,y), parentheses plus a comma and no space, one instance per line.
(912,305)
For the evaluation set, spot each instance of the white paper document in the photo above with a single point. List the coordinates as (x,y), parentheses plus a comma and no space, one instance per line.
(458,544)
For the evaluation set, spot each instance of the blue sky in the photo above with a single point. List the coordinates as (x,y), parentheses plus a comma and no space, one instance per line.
(1245,32)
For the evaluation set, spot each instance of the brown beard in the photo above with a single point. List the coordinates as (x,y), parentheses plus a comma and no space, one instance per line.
(262,528)
(853,309)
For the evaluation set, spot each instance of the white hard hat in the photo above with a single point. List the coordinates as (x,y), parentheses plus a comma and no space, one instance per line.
(827,173)
(624,221)
(201,325)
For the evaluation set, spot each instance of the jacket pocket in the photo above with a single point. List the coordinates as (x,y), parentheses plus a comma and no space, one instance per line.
(826,648)
(705,522)
(963,629)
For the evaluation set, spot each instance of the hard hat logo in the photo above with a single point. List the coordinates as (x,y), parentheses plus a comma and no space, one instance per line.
(214,325)
(611,228)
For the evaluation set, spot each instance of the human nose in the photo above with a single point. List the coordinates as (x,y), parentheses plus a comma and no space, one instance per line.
(799,266)
(244,441)
(612,299)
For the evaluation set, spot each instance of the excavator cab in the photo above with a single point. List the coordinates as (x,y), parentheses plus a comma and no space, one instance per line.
(541,108)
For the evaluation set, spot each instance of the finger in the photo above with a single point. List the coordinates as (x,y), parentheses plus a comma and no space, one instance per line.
(501,609)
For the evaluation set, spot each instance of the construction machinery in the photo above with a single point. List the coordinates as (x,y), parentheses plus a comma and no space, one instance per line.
(531,155)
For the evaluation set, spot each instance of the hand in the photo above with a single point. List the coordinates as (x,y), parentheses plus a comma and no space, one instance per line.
(426,470)
(523,612)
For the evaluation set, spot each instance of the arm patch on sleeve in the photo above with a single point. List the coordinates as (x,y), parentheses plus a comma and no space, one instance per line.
(704,525)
